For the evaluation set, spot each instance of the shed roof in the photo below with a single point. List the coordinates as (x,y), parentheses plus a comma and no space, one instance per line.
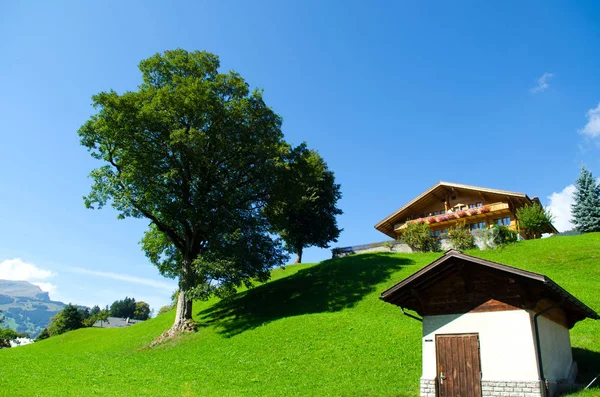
(536,286)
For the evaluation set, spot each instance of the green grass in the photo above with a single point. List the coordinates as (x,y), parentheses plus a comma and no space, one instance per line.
(313,330)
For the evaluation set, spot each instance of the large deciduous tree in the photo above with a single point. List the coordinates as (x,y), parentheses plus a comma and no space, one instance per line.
(195,152)
(586,209)
(305,214)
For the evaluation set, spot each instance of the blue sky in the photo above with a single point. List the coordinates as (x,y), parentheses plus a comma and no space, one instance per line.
(395,95)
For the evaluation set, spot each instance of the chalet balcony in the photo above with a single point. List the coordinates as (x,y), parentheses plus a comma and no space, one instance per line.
(471,215)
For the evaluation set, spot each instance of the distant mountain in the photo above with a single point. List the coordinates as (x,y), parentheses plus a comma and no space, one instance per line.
(26,307)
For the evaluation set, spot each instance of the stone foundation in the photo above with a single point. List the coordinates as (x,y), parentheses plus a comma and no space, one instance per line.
(491,388)
(428,388)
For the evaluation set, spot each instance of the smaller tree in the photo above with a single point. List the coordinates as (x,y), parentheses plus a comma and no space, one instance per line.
(142,311)
(95,311)
(533,220)
(7,335)
(69,319)
(586,209)
(418,237)
(102,316)
(304,208)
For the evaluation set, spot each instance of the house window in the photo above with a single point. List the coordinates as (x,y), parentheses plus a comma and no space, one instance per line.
(479,204)
(479,225)
(436,233)
(503,221)
(471,205)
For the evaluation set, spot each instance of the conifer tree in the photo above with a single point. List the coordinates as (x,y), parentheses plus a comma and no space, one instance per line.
(586,210)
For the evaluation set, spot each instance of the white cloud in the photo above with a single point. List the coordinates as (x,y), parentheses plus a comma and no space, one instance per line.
(16,269)
(542,83)
(125,277)
(47,287)
(592,128)
(560,207)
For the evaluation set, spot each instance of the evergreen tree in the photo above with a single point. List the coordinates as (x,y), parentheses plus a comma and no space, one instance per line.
(586,210)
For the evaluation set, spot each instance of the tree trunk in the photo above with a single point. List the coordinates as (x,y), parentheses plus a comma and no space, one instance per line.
(183,314)
(299,258)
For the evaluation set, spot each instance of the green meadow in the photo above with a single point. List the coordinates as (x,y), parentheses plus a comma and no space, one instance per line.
(313,330)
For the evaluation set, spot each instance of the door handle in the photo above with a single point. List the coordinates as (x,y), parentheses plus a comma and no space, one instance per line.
(442,378)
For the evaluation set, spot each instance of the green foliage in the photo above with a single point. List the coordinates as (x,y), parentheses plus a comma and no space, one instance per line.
(501,235)
(142,311)
(69,319)
(586,209)
(311,327)
(165,309)
(6,335)
(417,236)
(123,308)
(534,220)
(97,314)
(461,237)
(304,209)
(45,334)
(196,153)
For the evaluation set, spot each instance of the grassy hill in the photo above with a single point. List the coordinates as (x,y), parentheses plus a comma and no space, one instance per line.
(312,330)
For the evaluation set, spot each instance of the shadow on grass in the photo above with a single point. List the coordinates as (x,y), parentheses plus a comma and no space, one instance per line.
(328,287)
(588,364)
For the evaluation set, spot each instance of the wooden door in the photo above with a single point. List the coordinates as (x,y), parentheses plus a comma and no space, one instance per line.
(458,365)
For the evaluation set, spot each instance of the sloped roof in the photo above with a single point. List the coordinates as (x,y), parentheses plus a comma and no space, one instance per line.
(403,292)
(386,225)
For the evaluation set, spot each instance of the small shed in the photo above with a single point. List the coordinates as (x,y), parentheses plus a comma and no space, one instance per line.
(490,329)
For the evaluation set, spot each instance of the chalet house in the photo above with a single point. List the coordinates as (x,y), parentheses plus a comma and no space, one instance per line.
(490,330)
(446,204)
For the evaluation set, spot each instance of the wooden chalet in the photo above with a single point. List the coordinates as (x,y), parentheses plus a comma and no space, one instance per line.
(490,329)
(446,204)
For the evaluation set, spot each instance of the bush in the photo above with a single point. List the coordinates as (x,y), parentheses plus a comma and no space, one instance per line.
(418,237)
(461,238)
(501,235)
(533,220)
(165,309)
(388,244)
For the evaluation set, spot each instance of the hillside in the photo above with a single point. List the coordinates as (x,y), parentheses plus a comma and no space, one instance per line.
(312,330)
(26,307)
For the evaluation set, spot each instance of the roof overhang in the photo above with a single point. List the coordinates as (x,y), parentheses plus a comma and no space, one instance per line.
(403,294)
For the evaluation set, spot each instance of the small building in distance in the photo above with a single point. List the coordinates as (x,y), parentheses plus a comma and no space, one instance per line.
(490,330)
(447,204)
(116,322)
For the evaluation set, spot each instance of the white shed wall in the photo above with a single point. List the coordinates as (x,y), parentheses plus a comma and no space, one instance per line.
(556,349)
(507,346)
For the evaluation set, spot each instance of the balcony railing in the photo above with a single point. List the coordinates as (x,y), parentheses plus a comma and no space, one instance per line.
(452,216)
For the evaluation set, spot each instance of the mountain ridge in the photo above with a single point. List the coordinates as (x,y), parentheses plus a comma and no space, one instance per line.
(26,307)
